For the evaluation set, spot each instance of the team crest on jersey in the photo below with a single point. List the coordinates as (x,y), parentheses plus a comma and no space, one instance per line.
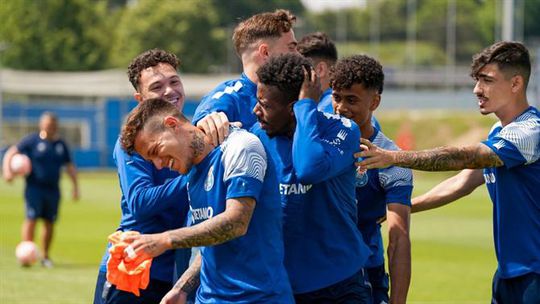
(209,182)
(361,179)
(59,149)
(41,147)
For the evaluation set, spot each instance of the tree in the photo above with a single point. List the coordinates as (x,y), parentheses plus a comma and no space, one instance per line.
(187,28)
(54,34)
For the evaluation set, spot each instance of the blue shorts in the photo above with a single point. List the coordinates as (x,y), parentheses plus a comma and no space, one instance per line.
(105,293)
(524,289)
(42,203)
(379,284)
(355,290)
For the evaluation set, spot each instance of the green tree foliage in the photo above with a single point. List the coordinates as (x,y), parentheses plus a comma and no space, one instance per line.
(54,34)
(187,28)
(232,11)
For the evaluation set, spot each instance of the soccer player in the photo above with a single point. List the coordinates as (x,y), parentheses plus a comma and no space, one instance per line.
(234,205)
(255,40)
(323,53)
(152,200)
(313,153)
(357,84)
(511,169)
(48,153)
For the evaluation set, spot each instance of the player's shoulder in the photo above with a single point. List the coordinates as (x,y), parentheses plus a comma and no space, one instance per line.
(381,140)
(525,126)
(240,140)
(228,89)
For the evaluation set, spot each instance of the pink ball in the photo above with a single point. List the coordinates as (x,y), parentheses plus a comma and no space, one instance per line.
(27,253)
(20,164)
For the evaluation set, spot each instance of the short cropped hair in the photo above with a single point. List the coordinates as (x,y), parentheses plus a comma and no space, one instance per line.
(148,115)
(318,46)
(512,58)
(357,69)
(262,26)
(286,72)
(148,59)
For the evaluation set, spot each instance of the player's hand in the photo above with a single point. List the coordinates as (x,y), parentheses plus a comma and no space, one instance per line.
(8,176)
(373,156)
(174,296)
(150,244)
(216,126)
(75,195)
(311,87)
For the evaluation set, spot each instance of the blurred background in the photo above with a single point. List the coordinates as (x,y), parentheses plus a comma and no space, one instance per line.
(71,56)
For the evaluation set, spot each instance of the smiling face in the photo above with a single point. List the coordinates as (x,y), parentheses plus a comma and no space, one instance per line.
(286,43)
(274,115)
(171,147)
(356,103)
(493,89)
(161,81)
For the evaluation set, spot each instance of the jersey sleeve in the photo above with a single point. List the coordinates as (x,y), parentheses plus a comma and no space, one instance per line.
(26,144)
(244,163)
(222,100)
(397,183)
(67,154)
(317,158)
(144,198)
(517,143)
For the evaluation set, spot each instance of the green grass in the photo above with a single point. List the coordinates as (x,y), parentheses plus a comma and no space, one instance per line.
(453,257)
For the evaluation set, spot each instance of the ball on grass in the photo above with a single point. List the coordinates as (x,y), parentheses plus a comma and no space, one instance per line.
(27,253)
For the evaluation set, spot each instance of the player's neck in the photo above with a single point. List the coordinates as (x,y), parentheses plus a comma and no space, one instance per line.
(250,69)
(367,130)
(512,111)
(45,136)
(205,148)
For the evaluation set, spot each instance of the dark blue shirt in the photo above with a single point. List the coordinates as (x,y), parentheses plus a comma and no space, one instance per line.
(47,158)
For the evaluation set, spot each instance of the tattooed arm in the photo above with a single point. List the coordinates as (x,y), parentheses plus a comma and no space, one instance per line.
(228,225)
(475,156)
(188,283)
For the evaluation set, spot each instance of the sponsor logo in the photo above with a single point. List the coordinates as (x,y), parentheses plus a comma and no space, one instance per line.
(209,182)
(201,214)
(342,134)
(288,189)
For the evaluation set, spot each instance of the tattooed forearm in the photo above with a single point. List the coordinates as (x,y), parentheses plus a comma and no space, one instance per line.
(224,227)
(190,280)
(197,143)
(449,158)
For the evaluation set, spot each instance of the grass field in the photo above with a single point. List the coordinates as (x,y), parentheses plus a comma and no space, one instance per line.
(453,257)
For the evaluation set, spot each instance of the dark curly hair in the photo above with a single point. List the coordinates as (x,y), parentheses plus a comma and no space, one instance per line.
(285,72)
(148,59)
(261,26)
(355,69)
(512,58)
(148,114)
(318,46)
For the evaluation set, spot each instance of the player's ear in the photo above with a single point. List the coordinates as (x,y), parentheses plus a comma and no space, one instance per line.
(375,102)
(170,121)
(263,50)
(517,83)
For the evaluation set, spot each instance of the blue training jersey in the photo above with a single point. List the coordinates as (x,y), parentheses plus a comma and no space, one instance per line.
(374,190)
(153,201)
(316,172)
(515,191)
(236,98)
(248,269)
(47,158)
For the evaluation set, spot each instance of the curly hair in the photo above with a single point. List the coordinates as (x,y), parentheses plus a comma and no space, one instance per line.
(355,69)
(512,58)
(261,26)
(148,59)
(318,46)
(286,72)
(147,115)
